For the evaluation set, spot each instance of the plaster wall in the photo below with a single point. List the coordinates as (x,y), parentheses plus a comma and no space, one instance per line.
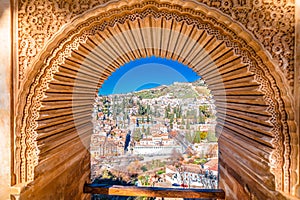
(297,87)
(5,98)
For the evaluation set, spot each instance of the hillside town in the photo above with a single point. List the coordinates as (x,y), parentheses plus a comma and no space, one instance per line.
(162,137)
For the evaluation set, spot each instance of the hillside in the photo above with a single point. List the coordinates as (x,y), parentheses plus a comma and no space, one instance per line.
(176,90)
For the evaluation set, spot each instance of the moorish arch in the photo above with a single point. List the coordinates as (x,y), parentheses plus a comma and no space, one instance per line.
(253,106)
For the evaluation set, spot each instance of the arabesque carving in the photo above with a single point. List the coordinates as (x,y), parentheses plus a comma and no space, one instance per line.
(271,23)
(220,31)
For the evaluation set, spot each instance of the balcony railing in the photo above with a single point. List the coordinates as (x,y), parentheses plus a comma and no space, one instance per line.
(133,191)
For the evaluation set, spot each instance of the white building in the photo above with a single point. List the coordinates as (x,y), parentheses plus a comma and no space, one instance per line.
(189,175)
(157,144)
(156,150)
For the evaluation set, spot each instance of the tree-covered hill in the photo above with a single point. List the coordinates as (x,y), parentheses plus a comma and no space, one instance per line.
(176,90)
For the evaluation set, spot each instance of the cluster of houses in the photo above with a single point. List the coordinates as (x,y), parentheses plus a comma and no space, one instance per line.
(132,135)
(192,175)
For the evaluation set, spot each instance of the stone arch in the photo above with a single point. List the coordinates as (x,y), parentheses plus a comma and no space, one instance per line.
(252,104)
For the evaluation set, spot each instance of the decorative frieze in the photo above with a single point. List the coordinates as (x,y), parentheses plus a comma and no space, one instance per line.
(270,22)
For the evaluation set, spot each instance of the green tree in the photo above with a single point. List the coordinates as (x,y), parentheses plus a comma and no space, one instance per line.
(148,131)
(188,125)
(148,110)
(171,120)
(201,118)
(167,111)
(182,120)
(205,110)
(175,111)
(144,168)
(197,137)
(180,112)
(143,120)
(130,101)
(142,110)
(169,108)
(137,135)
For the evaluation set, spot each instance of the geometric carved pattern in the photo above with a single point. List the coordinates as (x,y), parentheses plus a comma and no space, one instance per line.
(270,22)
(41,19)
(222,35)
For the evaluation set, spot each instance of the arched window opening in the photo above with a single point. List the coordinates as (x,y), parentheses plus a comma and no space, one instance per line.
(154,125)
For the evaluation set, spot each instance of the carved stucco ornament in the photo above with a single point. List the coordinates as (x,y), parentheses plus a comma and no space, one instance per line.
(271,22)
(27,140)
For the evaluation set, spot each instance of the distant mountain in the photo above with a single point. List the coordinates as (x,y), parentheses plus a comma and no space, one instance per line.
(176,90)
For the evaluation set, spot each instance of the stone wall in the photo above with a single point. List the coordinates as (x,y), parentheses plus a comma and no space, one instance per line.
(61,180)
(296,145)
(5,99)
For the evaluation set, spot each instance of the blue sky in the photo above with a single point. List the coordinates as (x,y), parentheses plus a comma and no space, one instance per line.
(146,73)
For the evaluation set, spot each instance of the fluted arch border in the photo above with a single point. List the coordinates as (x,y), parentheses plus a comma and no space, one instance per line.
(61,47)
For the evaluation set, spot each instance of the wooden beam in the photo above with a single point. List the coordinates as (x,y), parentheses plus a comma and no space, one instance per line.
(119,190)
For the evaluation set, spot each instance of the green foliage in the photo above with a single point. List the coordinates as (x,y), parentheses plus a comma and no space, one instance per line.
(182,120)
(144,168)
(201,118)
(148,119)
(148,110)
(143,129)
(188,125)
(137,135)
(167,111)
(144,180)
(204,109)
(148,94)
(202,161)
(197,138)
(197,161)
(142,110)
(183,92)
(160,172)
(106,174)
(148,131)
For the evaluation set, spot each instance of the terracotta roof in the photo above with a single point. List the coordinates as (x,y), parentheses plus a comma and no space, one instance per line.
(192,168)
(171,167)
(212,164)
